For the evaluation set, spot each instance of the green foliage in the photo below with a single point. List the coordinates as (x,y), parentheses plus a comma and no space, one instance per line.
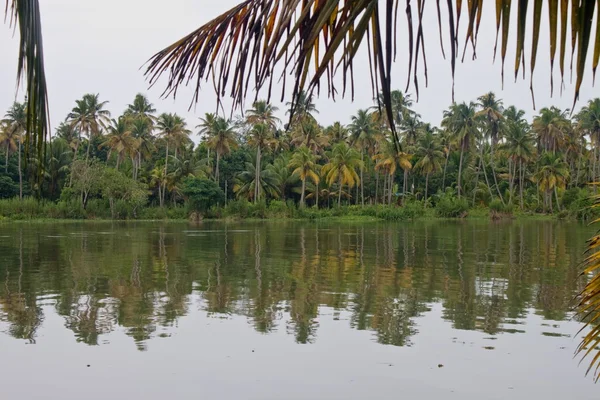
(450,206)
(8,188)
(202,194)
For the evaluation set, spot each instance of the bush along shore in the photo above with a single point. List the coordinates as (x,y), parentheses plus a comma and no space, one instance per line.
(486,159)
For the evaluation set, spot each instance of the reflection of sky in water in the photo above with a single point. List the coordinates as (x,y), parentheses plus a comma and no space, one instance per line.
(466,311)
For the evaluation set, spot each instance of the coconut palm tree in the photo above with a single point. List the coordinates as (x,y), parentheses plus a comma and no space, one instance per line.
(552,175)
(341,168)
(303,163)
(429,158)
(263,112)
(550,126)
(221,137)
(260,137)
(301,108)
(363,135)
(588,120)
(172,129)
(8,141)
(307,132)
(120,140)
(141,108)
(519,148)
(90,117)
(493,119)
(387,161)
(16,119)
(280,169)
(141,129)
(247,182)
(460,120)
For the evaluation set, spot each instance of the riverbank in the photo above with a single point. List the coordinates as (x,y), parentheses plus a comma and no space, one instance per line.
(32,211)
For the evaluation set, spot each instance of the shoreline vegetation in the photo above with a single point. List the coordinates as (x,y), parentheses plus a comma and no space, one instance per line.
(485,160)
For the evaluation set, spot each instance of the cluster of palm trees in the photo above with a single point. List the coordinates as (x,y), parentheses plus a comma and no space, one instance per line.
(481,152)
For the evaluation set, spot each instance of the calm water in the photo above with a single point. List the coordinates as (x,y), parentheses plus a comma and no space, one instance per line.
(465,310)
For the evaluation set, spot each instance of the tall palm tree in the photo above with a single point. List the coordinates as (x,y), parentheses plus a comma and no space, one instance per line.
(90,117)
(341,168)
(119,139)
(141,108)
(141,129)
(247,181)
(307,132)
(8,141)
(588,120)
(552,175)
(460,120)
(301,108)
(364,135)
(550,126)
(172,129)
(263,112)
(491,114)
(220,136)
(429,158)
(336,133)
(387,161)
(519,148)
(16,119)
(303,163)
(261,138)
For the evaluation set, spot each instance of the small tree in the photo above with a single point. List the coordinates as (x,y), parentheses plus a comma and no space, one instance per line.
(86,178)
(201,194)
(118,187)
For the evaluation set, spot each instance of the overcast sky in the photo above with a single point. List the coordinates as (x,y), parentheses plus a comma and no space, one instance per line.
(99,47)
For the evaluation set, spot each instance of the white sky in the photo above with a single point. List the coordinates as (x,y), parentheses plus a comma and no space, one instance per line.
(99,47)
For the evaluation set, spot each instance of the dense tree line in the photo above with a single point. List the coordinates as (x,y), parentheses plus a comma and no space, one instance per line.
(483,154)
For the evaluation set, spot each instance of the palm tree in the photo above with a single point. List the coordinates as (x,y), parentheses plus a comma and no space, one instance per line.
(119,139)
(263,112)
(341,168)
(336,133)
(460,120)
(261,138)
(220,137)
(307,132)
(141,108)
(519,148)
(492,117)
(430,157)
(89,116)
(588,120)
(387,161)
(364,135)
(16,119)
(550,126)
(172,129)
(8,141)
(247,183)
(301,108)
(280,169)
(303,163)
(59,158)
(141,129)
(552,175)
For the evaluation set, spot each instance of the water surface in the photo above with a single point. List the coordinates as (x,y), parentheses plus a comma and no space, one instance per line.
(289,310)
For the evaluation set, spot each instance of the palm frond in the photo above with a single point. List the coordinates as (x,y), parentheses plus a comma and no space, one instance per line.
(25,15)
(316,39)
(589,303)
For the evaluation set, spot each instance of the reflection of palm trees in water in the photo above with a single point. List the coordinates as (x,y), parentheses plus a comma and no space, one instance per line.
(354,272)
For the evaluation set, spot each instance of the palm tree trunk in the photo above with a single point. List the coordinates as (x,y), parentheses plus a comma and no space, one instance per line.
(257,177)
(362,180)
(118,161)
(445,167)
(376,187)
(89,146)
(477,182)
(460,166)
(340,192)
(217,167)
(6,161)
(494,174)
(556,197)
(391,187)
(164,189)
(521,179)
(20,174)
(303,191)
(426,188)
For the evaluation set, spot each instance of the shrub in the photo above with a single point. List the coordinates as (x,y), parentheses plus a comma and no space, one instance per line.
(278,208)
(202,194)
(450,206)
(258,209)
(237,208)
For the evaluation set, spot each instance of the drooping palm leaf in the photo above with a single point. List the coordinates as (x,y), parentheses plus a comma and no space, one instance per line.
(24,15)
(312,40)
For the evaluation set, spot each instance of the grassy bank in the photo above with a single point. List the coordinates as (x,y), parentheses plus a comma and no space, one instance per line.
(30,209)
